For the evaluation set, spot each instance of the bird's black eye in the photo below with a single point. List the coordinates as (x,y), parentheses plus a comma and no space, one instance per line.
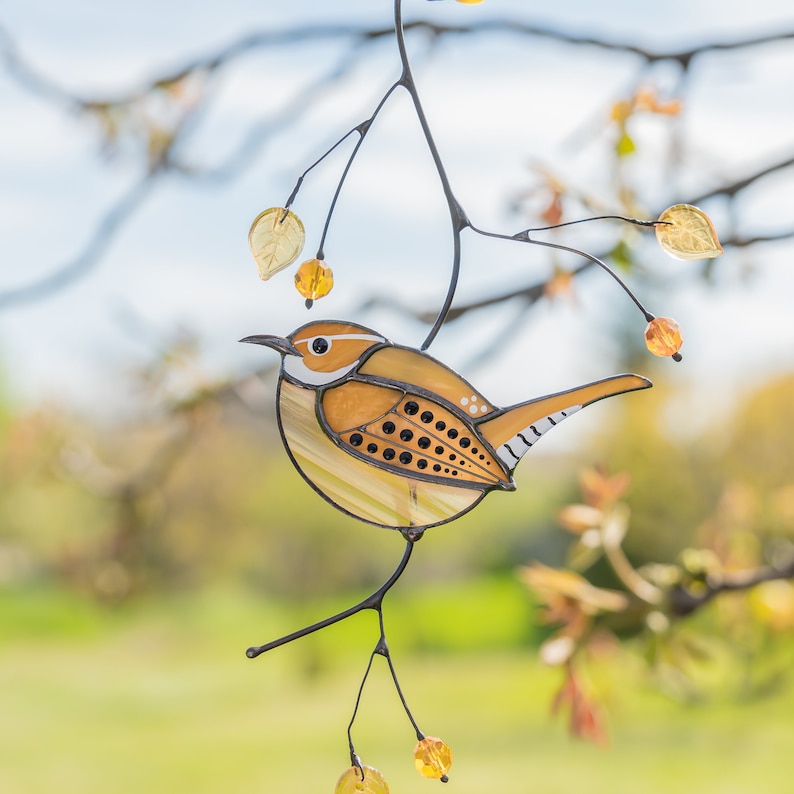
(320,345)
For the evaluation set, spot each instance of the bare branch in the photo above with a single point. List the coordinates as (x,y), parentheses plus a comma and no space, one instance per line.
(97,245)
(285,37)
(257,136)
(355,36)
(684,602)
(739,241)
(733,188)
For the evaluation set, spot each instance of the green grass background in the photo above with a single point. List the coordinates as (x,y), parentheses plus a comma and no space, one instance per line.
(161,698)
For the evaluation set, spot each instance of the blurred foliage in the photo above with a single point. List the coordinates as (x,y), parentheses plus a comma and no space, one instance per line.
(203,493)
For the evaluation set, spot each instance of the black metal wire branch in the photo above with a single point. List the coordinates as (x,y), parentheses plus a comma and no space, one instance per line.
(457,215)
(523,237)
(381,649)
(625,218)
(362,130)
(373,601)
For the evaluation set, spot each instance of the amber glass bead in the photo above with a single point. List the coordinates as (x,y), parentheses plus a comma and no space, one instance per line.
(432,758)
(313,280)
(663,337)
(350,782)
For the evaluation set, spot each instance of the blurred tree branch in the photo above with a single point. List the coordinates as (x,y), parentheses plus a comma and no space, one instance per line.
(162,142)
(684,601)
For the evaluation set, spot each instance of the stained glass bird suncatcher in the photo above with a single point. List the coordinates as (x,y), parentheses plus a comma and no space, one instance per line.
(392,436)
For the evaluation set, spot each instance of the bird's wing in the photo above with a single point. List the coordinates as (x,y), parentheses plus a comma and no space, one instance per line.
(418,372)
(411,434)
(512,431)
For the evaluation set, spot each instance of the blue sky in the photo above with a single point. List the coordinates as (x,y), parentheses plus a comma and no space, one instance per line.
(496,104)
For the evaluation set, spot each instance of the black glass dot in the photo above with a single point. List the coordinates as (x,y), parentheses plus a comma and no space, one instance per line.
(446,471)
(464,442)
(454,473)
(372,448)
(474,450)
(426,417)
(452,433)
(439,450)
(421,463)
(406,435)
(406,457)
(436,467)
(440,425)
(411,408)
(453,456)
(320,345)
(482,457)
(423,442)
(388,453)
(388,427)
(356,439)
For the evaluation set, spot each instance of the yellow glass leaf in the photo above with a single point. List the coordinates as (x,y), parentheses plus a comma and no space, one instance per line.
(350,782)
(433,758)
(685,232)
(663,336)
(470,2)
(313,280)
(276,239)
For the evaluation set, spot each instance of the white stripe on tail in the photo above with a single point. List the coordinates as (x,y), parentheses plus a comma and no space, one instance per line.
(511,451)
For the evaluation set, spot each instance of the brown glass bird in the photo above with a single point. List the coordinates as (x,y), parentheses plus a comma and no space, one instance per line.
(392,436)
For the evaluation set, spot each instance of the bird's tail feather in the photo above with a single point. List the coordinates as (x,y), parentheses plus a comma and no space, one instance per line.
(512,431)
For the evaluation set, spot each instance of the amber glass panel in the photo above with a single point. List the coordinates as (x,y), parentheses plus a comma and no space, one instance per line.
(519,417)
(413,367)
(358,487)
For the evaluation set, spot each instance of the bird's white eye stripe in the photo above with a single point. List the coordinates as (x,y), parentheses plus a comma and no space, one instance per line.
(334,337)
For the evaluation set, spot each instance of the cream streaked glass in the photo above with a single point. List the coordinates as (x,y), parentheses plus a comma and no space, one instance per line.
(370,493)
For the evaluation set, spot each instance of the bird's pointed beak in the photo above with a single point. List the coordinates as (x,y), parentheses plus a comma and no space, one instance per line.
(277,343)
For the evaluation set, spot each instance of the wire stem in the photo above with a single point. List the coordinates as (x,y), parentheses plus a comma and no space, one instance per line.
(626,219)
(456,213)
(373,601)
(362,130)
(382,649)
(523,237)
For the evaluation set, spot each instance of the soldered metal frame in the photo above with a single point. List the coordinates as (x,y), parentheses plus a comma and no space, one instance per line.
(412,531)
(290,387)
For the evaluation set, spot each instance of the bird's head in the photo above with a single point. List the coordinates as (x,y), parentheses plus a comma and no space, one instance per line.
(321,352)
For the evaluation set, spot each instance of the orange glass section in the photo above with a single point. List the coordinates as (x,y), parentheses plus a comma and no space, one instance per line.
(368,492)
